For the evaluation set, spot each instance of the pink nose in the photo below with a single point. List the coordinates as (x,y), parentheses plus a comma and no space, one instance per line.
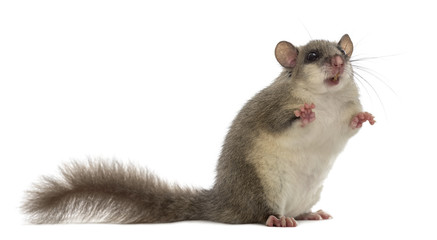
(337,61)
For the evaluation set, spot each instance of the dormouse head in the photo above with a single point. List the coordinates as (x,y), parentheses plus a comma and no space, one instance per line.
(320,65)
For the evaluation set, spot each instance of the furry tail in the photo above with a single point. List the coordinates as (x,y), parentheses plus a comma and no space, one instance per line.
(110,193)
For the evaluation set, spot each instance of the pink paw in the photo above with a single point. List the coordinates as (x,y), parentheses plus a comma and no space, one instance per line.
(306,113)
(361,118)
(319,215)
(273,221)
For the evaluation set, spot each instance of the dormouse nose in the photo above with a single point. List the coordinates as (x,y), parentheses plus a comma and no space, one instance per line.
(337,61)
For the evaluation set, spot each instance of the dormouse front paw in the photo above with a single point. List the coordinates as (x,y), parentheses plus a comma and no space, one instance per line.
(360,118)
(306,114)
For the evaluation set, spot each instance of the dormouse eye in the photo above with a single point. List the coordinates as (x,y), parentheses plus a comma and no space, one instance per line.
(312,56)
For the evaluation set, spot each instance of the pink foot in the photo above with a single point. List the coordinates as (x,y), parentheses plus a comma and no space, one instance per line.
(319,215)
(273,221)
(306,113)
(361,118)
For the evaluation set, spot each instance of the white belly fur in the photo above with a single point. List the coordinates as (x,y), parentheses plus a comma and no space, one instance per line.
(293,165)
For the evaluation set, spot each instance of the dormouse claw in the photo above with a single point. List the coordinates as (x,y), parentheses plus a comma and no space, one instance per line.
(360,118)
(306,114)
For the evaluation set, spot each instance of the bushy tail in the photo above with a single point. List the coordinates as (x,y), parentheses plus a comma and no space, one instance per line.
(99,191)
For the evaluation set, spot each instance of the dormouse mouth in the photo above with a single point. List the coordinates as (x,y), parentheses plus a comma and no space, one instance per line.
(332,81)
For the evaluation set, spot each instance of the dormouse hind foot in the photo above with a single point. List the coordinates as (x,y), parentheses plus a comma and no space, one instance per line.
(319,215)
(361,118)
(306,114)
(273,221)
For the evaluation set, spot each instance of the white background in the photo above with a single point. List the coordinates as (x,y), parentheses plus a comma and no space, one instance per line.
(158,84)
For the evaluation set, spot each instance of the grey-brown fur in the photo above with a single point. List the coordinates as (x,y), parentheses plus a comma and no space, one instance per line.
(100,191)
(112,192)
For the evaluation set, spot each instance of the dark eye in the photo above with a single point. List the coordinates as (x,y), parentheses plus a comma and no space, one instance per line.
(312,56)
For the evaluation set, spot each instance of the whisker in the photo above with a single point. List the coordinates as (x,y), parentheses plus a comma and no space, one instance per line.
(361,80)
(371,58)
(374,90)
(375,74)
(306,29)
(362,84)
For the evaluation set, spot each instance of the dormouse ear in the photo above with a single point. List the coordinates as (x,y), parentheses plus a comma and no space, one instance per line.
(346,44)
(286,54)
